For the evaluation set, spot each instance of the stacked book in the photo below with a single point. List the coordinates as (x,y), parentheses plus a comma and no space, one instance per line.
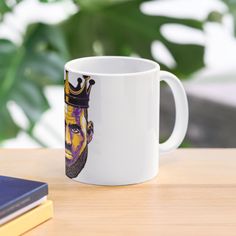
(23,205)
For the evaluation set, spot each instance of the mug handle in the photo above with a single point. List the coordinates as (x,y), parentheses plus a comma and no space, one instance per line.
(181,109)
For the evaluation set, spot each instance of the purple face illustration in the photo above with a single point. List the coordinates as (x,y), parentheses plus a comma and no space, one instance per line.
(78,130)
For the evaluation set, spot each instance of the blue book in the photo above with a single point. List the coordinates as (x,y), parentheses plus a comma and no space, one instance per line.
(16,194)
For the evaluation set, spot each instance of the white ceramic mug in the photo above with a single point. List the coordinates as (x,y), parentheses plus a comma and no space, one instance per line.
(112,119)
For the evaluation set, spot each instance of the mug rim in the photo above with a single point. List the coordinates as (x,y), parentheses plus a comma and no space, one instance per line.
(155,66)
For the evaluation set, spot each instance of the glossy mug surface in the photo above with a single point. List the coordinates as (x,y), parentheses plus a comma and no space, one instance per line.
(112,119)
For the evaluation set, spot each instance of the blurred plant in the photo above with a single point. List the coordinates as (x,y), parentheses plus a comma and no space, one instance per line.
(24,71)
(100,27)
(216,16)
(232,10)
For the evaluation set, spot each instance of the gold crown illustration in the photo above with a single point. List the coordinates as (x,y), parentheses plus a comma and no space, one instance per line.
(78,96)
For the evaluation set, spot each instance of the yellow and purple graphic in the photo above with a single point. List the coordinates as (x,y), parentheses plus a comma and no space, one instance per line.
(78,130)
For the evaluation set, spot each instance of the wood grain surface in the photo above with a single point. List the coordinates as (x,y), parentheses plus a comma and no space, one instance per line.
(193,194)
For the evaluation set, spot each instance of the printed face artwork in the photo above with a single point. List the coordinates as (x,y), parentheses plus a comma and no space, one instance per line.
(78,130)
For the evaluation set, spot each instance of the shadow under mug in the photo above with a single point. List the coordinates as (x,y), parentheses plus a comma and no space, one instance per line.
(112,119)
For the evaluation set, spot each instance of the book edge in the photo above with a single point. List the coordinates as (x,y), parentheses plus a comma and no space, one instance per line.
(34,195)
(22,210)
(29,220)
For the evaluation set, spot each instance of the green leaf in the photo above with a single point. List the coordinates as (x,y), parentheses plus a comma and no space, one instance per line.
(31,99)
(25,70)
(4,7)
(91,5)
(8,128)
(120,28)
(7,6)
(215,16)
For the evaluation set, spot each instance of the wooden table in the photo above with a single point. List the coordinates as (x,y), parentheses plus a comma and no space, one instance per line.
(194,194)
